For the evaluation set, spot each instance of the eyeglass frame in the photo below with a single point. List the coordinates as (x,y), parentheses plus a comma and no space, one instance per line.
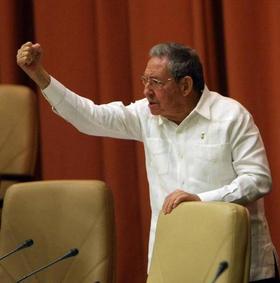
(154,83)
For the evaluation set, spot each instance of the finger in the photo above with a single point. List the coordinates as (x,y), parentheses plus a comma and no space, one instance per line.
(28,55)
(23,60)
(24,54)
(31,48)
(168,204)
(28,43)
(180,197)
(174,201)
(36,51)
(169,201)
(25,46)
(37,47)
(165,204)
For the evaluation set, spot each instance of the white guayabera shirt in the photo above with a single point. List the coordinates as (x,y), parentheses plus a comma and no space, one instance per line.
(216,153)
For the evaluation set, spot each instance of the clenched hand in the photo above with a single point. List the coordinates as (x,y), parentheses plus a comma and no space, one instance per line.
(29,59)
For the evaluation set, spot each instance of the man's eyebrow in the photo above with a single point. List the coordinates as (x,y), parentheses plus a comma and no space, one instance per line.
(151,77)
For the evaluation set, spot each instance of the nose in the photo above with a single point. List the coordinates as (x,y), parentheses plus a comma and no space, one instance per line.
(148,91)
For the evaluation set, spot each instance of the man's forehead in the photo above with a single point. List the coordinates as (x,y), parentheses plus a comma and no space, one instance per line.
(156,66)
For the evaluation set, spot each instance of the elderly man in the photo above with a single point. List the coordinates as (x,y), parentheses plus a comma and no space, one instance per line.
(199,145)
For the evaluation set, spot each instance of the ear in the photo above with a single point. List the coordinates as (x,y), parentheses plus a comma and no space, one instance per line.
(186,85)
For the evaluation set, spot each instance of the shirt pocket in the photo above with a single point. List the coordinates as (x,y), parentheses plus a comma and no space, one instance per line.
(159,153)
(214,152)
(212,163)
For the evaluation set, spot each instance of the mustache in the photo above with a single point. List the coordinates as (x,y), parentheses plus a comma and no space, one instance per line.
(152,101)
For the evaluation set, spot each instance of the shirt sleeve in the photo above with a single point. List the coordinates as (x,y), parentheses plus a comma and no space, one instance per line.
(111,120)
(249,162)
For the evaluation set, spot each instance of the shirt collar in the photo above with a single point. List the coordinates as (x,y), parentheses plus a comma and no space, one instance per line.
(160,120)
(203,105)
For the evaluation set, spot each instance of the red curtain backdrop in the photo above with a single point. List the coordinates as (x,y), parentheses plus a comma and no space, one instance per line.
(99,49)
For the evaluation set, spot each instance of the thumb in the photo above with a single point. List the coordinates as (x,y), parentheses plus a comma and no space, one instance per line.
(37,47)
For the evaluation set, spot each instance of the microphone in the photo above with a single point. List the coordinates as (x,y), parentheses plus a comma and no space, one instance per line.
(25,244)
(222,267)
(72,252)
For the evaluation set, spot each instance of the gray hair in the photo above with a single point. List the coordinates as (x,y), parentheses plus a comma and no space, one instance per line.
(183,61)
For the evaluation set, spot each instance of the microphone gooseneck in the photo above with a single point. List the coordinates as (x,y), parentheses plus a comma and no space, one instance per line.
(23,245)
(70,253)
(222,267)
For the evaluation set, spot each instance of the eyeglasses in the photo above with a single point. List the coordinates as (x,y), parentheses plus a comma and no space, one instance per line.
(153,82)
